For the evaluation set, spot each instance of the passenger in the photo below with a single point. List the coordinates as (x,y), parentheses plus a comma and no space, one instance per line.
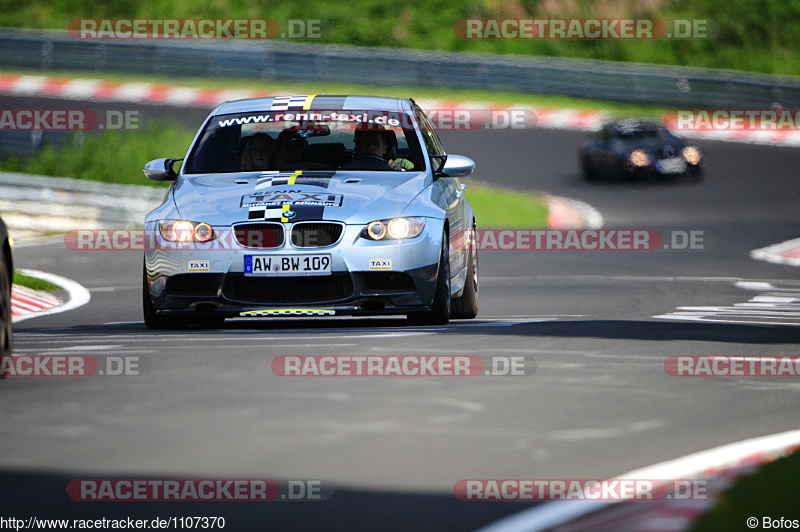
(259,153)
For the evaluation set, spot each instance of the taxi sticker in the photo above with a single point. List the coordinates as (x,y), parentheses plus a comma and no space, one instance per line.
(380,264)
(199,266)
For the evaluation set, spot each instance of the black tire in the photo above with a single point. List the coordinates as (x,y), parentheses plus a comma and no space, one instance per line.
(151,319)
(589,172)
(7,331)
(439,314)
(466,306)
(695,175)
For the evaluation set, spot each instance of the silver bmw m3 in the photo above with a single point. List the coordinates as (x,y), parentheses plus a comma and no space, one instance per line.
(311,206)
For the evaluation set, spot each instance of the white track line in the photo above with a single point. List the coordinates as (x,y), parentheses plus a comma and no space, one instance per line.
(78,295)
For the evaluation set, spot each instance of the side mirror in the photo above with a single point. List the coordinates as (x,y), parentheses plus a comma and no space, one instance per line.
(161,169)
(458,166)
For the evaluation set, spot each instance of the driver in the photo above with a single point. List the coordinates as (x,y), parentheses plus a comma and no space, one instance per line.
(290,147)
(370,140)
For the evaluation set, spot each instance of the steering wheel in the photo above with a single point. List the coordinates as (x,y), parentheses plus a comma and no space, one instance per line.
(368,162)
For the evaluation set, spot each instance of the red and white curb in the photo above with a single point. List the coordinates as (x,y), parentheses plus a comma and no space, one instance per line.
(722,465)
(543,117)
(568,213)
(663,515)
(27,303)
(787,252)
(99,90)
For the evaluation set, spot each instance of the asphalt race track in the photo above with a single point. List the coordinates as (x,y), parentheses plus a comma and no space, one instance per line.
(599,404)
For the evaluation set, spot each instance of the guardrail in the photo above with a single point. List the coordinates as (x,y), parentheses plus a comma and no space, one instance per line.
(35,205)
(684,87)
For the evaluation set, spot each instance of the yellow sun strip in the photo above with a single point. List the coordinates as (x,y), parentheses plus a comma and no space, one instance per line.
(289,312)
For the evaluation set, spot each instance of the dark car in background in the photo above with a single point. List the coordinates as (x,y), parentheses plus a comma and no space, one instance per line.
(632,149)
(6,277)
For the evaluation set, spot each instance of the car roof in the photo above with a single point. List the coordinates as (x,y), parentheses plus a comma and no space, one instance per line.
(316,102)
(634,125)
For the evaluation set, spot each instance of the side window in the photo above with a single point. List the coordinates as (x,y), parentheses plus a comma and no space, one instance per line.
(429,137)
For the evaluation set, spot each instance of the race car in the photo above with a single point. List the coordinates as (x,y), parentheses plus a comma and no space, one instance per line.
(6,278)
(638,149)
(311,206)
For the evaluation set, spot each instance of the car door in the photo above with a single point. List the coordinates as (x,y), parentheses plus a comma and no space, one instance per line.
(454,202)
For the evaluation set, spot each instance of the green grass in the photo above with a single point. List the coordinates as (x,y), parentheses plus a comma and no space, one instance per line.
(754,35)
(772,491)
(112,157)
(34,283)
(499,208)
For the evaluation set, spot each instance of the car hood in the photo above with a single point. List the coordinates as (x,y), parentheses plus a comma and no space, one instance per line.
(350,197)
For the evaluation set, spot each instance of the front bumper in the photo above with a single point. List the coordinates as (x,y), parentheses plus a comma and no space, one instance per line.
(222,289)
(661,170)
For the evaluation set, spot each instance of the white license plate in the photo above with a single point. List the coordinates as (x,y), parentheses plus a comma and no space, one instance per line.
(287,265)
(674,165)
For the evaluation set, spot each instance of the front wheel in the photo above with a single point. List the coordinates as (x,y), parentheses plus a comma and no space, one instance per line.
(466,306)
(439,314)
(695,174)
(6,329)
(589,172)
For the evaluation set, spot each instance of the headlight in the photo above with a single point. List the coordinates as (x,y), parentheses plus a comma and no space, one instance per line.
(184,231)
(376,231)
(393,229)
(639,158)
(692,155)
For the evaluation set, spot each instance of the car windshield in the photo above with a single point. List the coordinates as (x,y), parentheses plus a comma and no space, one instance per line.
(307,140)
(643,131)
